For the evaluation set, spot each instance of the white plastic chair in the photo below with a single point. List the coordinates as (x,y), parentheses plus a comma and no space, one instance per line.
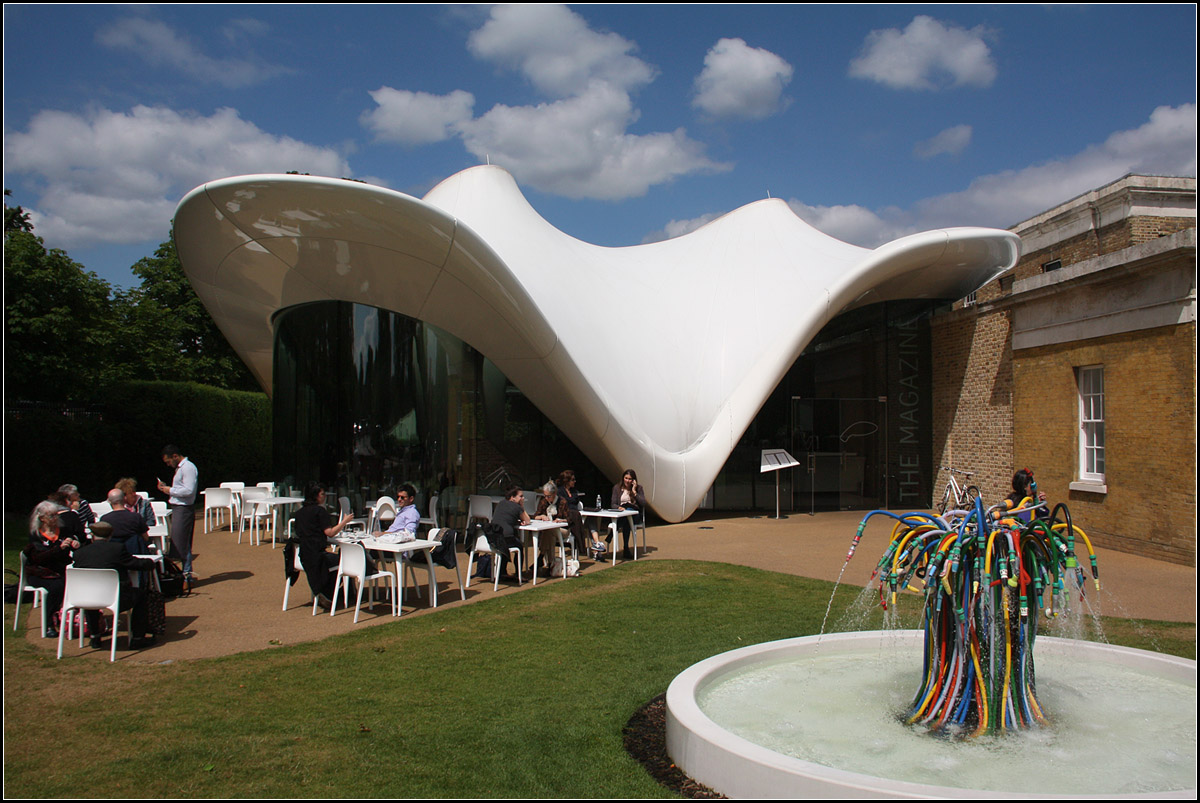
(255,510)
(39,597)
(384,507)
(482,547)
(531,502)
(236,488)
(216,500)
(287,583)
(162,533)
(355,524)
(431,520)
(270,486)
(92,590)
(161,511)
(353,564)
(479,507)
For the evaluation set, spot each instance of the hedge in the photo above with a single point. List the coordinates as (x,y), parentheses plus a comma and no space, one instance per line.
(227,434)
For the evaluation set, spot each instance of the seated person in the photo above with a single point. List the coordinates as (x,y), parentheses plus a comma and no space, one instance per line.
(628,494)
(314,528)
(550,507)
(47,556)
(128,527)
(407,517)
(135,502)
(509,515)
(105,552)
(573,500)
(78,503)
(70,523)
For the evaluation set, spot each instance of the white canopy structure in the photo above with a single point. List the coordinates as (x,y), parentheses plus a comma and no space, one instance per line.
(655,356)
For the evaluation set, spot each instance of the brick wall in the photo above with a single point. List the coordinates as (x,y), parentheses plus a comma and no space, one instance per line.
(972,399)
(1150,427)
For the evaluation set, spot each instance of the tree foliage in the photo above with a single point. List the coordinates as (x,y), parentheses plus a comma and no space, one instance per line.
(68,336)
(171,335)
(58,322)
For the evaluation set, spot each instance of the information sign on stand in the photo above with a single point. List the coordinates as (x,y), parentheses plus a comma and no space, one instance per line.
(776,460)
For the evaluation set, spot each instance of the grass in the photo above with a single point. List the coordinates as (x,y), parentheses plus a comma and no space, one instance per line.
(523,695)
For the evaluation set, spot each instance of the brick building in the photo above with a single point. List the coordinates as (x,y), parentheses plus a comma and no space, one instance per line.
(1080,363)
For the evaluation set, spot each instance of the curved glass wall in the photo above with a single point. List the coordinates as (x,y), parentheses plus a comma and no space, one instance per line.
(366,400)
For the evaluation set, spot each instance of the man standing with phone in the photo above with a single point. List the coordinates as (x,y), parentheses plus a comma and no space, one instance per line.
(182,500)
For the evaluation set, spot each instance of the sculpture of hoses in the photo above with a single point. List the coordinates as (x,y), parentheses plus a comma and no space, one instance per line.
(984,573)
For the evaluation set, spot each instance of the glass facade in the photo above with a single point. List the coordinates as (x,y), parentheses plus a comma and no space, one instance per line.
(366,400)
(856,409)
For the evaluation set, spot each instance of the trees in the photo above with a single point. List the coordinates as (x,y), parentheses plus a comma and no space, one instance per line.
(57,321)
(168,334)
(69,337)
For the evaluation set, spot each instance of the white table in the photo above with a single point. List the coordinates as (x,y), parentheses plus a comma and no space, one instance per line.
(535,528)
(275,502)
(612,516)
(419,545)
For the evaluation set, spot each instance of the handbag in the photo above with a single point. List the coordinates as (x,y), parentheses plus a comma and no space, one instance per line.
(572,567)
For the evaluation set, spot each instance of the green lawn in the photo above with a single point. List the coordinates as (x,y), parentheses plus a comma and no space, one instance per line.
(523,695)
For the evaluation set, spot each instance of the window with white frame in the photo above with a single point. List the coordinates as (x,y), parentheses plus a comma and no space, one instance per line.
(1091,423)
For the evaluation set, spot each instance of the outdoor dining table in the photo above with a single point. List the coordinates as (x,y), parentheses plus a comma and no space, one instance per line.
(535,528)
(275,502)
(372,544)
(612,516)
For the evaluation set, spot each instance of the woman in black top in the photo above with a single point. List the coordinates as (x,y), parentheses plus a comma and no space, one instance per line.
(314,528)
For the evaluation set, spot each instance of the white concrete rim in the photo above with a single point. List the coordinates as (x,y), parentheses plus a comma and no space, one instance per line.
(739,768)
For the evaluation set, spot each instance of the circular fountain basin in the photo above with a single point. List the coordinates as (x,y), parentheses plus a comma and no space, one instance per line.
(739,767)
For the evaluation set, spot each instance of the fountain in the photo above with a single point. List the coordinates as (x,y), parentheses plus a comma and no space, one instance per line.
(830,715)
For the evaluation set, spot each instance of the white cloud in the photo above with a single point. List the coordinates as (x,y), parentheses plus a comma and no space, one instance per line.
(579,147)
(112,177)
(416,118)
(1164,145)
(952,141)
(161,46)
(741,81)
(556,50)
(678,228)
(578,144)
(926,55)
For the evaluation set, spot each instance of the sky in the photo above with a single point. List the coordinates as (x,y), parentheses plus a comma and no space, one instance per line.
(622,124)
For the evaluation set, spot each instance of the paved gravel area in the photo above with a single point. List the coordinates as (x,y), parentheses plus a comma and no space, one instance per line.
(236,605)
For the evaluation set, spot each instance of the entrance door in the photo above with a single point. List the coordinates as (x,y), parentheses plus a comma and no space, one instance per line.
(842,448)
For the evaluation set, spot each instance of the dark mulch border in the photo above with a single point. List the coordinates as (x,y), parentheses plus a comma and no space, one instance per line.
(646,740)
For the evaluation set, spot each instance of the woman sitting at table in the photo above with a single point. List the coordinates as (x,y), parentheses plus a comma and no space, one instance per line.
(508,516)
(135,502)
(47,557)
(572,500)
(550,507)
(628,494)
(314,528)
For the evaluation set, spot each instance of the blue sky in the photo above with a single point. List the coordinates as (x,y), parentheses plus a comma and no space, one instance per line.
(622,123)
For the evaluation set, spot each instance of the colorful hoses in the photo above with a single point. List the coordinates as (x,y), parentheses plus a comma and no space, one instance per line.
(985,575)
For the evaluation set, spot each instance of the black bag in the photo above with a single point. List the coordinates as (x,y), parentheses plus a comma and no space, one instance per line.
(172,580)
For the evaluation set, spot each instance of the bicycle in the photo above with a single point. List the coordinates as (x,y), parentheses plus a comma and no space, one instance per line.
(963,498)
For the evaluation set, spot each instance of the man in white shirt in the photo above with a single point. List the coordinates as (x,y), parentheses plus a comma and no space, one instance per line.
(182,500)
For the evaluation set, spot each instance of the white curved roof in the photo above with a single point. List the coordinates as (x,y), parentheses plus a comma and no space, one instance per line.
(655,357)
